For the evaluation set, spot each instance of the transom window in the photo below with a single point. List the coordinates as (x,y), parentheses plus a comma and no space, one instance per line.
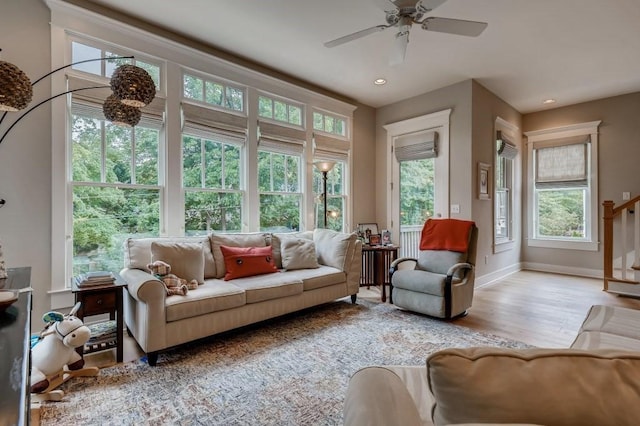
(82,51)
(279,110)
(329,123)
(213,92)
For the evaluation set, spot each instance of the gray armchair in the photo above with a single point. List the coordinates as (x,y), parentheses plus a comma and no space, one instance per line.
(439,282)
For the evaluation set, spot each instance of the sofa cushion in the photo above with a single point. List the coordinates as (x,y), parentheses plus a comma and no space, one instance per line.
(212,296)
(323,276)
(542,386)
(137,252)
(233,240)
(186,259)
(298,253)
(271,286)
(247,261)
(275,240)
(332,247)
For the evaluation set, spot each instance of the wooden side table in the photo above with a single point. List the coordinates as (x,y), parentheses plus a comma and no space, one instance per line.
(102,299)
(376,261)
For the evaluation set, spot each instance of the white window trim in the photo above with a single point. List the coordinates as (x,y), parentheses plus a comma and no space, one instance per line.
(590,243)
(505,244)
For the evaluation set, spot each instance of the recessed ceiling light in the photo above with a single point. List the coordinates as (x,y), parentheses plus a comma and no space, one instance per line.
(379,81)
(549,101)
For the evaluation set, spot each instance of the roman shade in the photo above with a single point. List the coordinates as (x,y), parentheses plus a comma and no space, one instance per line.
(329,148)
(562,163)
(416,146)
(202,122)
(506,148)
(275,138)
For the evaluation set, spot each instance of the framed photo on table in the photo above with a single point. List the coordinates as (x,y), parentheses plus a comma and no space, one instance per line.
(365,230)
(375,240)
(484,181)
(386,237)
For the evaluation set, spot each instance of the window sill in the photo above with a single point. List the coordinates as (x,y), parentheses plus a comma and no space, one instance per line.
(502,246)
(564,244)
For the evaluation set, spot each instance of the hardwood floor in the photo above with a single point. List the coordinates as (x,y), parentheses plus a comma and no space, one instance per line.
(541,309)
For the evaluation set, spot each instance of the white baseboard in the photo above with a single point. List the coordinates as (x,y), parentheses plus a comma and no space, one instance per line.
(561,269)
(491,277)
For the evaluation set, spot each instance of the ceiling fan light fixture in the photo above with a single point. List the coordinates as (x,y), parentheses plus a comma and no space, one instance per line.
(380,81)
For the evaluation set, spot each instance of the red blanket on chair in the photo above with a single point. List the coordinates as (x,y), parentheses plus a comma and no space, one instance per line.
(446,234)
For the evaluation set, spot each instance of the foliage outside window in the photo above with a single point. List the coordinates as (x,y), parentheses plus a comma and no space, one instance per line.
(82,52)
(416,191)
(213,92)
(329,124)
(279,191)
(279,110)
(116,192)
(211,178)
(563,184)
(336,197)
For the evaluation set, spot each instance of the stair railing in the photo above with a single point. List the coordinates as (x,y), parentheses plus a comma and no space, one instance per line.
(610,213)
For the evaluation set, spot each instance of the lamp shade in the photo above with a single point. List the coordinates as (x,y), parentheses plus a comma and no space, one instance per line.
(15,88)
(119,113)
(324,166)
(133,86)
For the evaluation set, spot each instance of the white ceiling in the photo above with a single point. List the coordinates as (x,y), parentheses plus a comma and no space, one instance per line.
(569,50)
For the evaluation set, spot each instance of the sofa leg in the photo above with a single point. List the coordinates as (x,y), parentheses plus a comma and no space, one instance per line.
(353,298)
(152,358)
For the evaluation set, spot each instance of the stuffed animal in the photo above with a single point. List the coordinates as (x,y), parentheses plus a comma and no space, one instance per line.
(172,283)
(56,347)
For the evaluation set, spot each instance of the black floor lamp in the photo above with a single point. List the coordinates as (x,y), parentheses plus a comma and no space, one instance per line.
(324,167)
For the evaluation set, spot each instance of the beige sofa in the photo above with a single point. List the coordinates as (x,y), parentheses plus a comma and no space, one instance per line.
(595,382)
(315,267)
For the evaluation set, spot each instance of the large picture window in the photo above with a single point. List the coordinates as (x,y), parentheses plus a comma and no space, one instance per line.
(280,194)
(563,187)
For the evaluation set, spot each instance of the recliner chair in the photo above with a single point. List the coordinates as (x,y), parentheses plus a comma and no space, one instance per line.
(440,282)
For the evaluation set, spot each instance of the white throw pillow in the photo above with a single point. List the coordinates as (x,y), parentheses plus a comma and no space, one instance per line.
(298,253)
(332,247)
(186,259)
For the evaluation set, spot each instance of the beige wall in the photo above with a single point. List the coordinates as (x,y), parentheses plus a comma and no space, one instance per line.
(486,108)
(618,154)
(25,155)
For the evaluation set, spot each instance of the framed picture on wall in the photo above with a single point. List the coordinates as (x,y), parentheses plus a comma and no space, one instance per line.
(484,181)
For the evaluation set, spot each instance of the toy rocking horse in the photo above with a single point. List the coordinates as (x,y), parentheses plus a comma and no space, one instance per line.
(54,359)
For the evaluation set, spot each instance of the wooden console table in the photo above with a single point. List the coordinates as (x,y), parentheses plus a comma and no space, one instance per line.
(376,261)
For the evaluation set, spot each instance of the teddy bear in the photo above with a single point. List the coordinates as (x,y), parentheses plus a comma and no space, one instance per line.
(172,283)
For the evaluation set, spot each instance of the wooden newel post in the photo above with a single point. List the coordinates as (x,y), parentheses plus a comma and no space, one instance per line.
(608,242)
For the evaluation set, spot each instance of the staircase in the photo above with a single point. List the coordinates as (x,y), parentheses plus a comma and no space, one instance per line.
(626,279)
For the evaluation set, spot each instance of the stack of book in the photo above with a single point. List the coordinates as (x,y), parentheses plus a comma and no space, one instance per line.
(94,278)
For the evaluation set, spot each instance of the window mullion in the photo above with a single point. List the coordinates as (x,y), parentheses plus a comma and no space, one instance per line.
(203,163)
(103,151)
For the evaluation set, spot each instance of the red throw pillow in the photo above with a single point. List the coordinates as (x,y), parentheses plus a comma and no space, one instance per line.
(247,261)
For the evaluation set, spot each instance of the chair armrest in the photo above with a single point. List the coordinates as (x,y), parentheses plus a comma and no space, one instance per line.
(457,266)
(376,396)
(395,263)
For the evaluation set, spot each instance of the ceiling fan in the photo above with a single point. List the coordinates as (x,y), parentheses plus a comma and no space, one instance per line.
(402,16)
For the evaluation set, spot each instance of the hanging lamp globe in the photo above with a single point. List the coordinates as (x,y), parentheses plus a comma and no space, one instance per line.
(133,86)
(15,88)
(119,113)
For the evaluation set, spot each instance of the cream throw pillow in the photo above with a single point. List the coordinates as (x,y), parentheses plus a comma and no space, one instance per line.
(332,247)
(541,386)
(186,259)
(298,253)
(233,240)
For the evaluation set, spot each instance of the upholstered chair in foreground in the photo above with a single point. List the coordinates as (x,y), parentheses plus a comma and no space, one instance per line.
(440,281)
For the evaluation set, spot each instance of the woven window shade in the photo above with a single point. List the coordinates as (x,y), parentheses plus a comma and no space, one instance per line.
(416,146)
(506,148)
(329,148)
(562,166)
(283,139)
(202,122)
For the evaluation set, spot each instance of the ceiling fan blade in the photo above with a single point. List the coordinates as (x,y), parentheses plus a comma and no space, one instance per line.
(454,26)
(356,35)
(387,5)
(399,48)
(425,6)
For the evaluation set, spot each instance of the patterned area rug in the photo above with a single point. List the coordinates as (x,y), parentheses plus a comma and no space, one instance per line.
(292,370)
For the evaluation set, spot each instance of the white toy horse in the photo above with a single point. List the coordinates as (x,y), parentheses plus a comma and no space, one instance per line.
(56,350)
